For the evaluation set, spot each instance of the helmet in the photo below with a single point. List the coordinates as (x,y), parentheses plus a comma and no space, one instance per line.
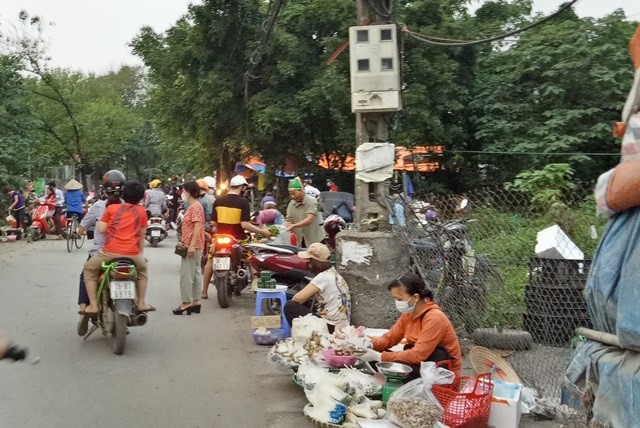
(202,184)
(211,182)
(238,180)
(113,181)
(154,183)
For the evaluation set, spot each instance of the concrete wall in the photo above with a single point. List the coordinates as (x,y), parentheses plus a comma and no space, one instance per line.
(368,261)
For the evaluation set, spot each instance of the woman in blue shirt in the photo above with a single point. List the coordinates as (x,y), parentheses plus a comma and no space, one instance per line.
(75,199)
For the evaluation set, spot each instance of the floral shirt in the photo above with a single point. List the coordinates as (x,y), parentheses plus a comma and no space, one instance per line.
(194,214)
(334,300)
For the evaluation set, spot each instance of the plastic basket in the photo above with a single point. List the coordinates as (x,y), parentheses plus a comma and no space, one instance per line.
(466,410)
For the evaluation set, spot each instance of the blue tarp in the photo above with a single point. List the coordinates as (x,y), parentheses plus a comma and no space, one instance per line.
(612,293)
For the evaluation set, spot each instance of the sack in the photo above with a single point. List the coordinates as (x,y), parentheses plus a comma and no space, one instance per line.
(623,189)
(180,250)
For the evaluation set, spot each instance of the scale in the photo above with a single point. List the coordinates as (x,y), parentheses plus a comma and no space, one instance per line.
(395,373)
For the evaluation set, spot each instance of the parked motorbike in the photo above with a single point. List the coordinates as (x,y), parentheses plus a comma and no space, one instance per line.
(42,222)
(230,272)
(117,307)
(156,230)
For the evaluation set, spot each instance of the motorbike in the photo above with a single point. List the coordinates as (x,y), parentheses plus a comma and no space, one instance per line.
(230,272)
(117,306)
(156,230)
(42,221)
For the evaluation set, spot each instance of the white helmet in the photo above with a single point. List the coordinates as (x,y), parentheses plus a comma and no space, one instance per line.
(211,182)
(238,180)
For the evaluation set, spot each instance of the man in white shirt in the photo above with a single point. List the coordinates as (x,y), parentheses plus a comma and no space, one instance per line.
(59,205)
(309,189)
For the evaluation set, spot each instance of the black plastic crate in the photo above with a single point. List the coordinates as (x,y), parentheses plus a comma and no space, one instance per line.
(561,301)
(558,272)
(553,330)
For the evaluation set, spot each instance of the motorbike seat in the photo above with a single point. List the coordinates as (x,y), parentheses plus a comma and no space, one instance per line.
(292,248)
(124,261)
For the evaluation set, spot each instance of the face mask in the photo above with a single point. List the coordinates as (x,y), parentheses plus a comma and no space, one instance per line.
(211,191)
(403,306)
(184,196)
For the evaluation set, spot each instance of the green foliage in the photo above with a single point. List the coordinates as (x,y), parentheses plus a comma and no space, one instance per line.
(545,186)
(16,119)
(508,240)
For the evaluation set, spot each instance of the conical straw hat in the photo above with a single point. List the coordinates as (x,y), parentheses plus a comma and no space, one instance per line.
(73,185)
(484,360)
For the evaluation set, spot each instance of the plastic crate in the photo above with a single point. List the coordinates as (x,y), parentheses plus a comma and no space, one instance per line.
(466,410)
(558,272)
(555,301)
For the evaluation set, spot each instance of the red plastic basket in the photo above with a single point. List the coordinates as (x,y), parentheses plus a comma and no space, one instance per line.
(466,410)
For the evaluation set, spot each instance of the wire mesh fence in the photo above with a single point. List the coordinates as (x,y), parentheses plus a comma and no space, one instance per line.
(478,253)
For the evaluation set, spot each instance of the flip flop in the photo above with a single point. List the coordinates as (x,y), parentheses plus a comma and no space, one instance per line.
(150,309)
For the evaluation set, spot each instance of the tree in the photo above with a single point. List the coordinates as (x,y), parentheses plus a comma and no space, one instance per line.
(556,90)
(16,120)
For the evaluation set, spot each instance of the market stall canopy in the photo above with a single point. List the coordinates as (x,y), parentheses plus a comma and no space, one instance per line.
(420,158)
(252,164)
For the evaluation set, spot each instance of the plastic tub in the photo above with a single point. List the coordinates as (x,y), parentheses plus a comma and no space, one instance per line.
(334,360)
(273,335)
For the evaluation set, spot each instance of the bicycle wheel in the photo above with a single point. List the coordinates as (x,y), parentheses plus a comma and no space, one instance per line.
(78,239)
(69,237)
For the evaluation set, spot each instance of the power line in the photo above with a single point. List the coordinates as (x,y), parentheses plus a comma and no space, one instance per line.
(482,152)
(457,43)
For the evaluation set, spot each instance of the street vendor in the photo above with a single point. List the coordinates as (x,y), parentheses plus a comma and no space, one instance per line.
(429,333)
(328,288)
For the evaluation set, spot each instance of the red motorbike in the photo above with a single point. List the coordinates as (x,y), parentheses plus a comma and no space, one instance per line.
(230,273)
(42,219)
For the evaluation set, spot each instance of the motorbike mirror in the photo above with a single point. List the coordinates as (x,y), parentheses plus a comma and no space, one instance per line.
(464,203)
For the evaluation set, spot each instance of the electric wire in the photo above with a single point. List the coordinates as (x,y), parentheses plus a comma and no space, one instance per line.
(438,41)
(483,152)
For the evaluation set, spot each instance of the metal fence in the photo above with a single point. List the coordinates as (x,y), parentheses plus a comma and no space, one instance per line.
(478,253)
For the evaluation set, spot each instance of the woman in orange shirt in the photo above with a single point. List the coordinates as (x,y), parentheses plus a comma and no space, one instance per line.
(428,331)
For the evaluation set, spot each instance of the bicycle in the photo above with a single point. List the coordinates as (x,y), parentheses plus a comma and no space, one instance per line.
(73,239)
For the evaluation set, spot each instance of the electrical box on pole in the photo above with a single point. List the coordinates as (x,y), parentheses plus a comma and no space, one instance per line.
(375,69)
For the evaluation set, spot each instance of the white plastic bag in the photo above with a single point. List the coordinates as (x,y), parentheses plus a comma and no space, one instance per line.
(303,327)
(413,405)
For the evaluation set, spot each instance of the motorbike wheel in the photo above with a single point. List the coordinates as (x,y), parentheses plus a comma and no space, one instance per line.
(271,307)
(119,334)
(34,235)
(223,290)
(154,242)
(517,340)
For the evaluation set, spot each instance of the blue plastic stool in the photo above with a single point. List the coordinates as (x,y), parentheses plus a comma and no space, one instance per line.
(280,295)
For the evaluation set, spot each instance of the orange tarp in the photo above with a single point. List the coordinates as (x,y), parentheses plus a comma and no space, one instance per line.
(419,158)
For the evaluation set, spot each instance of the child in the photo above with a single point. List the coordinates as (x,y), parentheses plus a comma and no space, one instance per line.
(123,226)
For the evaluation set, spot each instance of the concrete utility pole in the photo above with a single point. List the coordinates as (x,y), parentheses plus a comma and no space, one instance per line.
(370,126)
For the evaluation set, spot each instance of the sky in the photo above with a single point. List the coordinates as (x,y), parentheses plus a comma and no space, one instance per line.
(93,35)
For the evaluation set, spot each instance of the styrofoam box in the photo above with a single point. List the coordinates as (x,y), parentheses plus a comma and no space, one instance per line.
(553,243)
(505,405)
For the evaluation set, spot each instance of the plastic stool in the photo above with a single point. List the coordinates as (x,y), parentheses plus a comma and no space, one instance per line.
(280,295)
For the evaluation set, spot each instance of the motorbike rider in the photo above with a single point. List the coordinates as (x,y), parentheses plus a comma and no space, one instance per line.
(333,299)
(124,226)
(206,199)
(59,203)
(302,217)
(429,333)
(154,200)
(231,216)
(108,196)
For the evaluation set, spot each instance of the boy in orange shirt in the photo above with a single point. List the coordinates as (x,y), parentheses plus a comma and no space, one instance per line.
(123,226)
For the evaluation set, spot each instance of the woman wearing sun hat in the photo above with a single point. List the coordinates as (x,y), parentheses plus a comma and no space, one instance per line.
(328,287)
(75,199)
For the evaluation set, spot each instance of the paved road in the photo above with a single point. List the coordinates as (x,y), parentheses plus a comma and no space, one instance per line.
(185,371)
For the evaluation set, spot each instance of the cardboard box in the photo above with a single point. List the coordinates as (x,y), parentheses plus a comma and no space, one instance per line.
(553,243)
(505,405)
(266,321)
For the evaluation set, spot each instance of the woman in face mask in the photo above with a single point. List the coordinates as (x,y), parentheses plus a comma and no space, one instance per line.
(428,331)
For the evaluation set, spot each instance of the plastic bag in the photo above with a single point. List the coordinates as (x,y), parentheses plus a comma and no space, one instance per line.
(413,405)
(303,327)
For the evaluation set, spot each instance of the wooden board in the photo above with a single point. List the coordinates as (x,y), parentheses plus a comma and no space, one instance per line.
(266,321)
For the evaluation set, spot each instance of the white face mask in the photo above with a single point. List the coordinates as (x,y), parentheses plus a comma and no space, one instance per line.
(211,191)
(403,306)
(184,196)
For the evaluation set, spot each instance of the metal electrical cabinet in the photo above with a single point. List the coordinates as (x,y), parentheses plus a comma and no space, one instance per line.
(375,68)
